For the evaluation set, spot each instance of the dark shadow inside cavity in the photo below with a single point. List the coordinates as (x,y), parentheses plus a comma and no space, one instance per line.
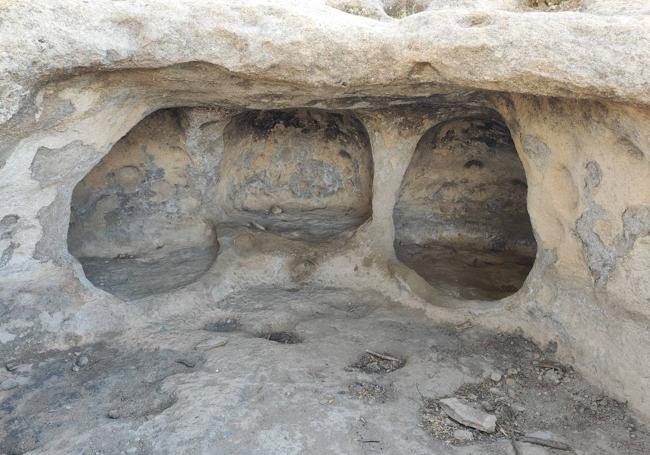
(281,337)
(461,220)
(135,223)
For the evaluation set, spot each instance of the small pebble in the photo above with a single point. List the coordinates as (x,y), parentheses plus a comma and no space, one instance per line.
(82,361)
(113,414)
(75,368)
(495,376)
(463,435)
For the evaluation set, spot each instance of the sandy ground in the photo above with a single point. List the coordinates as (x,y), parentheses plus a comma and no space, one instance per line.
(314,390)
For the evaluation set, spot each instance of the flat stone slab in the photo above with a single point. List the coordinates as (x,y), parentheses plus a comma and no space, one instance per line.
(468,415)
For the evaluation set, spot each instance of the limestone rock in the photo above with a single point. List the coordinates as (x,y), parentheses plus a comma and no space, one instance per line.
(469,416)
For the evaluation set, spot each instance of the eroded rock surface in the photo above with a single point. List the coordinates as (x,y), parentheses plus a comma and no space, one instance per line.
(461,220)
(136,221)
(176,154)
(302,173)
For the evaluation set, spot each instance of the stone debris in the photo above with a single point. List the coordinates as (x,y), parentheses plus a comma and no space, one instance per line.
(82,361)
(496,376)
(468,415)
(211,343)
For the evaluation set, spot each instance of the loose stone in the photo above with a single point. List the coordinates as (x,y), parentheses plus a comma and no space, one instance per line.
(468,415)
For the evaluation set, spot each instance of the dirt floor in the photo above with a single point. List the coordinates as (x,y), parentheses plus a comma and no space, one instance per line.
(304,371)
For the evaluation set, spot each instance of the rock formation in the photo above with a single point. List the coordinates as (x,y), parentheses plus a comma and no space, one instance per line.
(480,160)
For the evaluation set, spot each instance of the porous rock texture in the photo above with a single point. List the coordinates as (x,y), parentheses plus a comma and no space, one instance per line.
(135,222)
(461,213)
(570,84)
(306,174)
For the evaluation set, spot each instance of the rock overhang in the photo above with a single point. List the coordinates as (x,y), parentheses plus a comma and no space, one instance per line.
(312,46)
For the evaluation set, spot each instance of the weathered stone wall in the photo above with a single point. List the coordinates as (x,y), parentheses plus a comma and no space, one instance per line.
(465,185)
(138,198)
(136,223)
(305,173)
(589,190)
(144,220)
(573,92)
(461,220)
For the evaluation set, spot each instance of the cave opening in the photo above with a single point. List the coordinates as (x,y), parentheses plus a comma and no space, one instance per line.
(136,222)
(461,219)
(304,174)
(145,219)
